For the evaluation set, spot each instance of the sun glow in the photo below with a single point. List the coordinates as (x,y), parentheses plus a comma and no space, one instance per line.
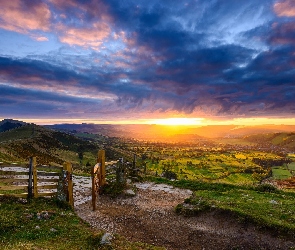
(177,121)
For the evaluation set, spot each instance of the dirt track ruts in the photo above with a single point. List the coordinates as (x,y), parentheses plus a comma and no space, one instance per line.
(149,217)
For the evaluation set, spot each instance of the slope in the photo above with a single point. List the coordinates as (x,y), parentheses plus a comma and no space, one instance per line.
(286,140)
(50,147)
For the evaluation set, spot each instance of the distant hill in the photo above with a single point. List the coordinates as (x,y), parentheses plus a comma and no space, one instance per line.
(136,131)
(49,146)
(157,132)
(286,140)
(8,124)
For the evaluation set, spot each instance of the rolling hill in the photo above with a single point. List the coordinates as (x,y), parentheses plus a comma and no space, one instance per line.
(51,147)
(173,133)
(285,140)
(8,124)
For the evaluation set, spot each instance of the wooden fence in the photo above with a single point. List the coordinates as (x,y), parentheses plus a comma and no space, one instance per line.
(36,181)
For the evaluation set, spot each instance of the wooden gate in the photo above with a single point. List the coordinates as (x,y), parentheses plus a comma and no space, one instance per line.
(34,180)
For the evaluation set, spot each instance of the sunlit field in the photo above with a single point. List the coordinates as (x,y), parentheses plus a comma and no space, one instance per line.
(216,166)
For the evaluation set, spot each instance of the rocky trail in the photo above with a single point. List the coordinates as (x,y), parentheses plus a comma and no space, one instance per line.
(149,217)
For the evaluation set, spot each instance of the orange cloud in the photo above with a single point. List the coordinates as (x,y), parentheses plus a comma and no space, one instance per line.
(39,38)
(15,16)
(85,37)
(42,39)
(96,8)
(285,8)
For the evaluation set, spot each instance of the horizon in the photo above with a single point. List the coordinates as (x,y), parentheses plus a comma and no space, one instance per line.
(168,122)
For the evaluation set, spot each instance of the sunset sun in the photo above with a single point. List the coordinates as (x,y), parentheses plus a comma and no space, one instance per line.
(178,121)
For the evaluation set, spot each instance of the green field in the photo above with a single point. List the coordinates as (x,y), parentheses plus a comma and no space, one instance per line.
(291,166)
(280,173)
(215,166)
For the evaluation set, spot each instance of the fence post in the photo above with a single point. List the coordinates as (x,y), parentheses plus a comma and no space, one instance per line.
(67,167)
(35,180)
(94,191)
(32,162)
(101,161)
(98,174)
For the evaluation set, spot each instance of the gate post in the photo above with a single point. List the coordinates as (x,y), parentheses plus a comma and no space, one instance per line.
(98,175)
(95,183)
(101,161)
(35,180)
(68,182)
(32,185)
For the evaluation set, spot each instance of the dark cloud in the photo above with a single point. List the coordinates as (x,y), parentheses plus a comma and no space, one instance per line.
(14,68)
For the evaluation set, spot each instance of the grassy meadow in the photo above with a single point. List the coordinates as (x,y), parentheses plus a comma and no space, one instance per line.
(215,166)
(46,224)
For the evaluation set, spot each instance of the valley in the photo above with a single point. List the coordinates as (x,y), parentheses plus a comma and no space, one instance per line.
(232,182)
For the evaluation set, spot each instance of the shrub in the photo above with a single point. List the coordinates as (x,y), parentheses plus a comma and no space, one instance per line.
(266,188)
(169,175)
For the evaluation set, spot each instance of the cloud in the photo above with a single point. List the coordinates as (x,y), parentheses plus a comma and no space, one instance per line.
(123,57)
(39,38)
(85,37)
(24,16)
(283,33)
(285,8)
(81,23)
(25,102)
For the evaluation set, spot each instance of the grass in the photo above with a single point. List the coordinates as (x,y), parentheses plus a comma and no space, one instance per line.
(280,173)
(264,205)
(21,229)
(231,167)
(265,209)
(291,166)
(23,132)
(47,224)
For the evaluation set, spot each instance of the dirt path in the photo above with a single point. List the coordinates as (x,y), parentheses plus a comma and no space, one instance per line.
(149,217)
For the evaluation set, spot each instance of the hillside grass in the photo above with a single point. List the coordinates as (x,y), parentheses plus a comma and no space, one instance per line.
(283,139)
(291,166)
(50,147)
(263,205)
(230,167)
(280,173)
(19,133)
(57,227)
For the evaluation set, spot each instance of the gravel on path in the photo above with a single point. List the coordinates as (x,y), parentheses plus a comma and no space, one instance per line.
(149,217)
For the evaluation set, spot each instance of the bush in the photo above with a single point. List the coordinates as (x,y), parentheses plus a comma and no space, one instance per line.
(94,240)
(178,208)
(169,175)
(266,188)
(114,189)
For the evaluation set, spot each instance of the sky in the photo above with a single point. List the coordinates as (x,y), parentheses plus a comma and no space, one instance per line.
(110,61)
